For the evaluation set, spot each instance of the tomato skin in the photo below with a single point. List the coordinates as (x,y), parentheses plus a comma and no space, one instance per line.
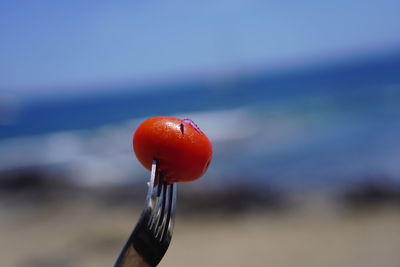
(182,151)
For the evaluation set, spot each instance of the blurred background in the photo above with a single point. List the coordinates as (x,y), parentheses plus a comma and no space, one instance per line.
(301,101)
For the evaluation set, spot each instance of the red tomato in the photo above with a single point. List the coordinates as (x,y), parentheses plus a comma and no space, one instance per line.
(183,152)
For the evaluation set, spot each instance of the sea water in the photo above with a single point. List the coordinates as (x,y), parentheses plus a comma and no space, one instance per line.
(326,125)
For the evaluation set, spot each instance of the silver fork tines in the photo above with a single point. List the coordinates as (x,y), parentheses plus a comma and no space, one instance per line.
(153,232)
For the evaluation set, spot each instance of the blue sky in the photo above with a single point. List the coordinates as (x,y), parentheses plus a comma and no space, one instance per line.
(79,43)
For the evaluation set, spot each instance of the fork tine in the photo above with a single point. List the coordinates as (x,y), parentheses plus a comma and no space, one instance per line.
(156,196)
(152,188)
(171,222)
(155,213)
(160,214)
(159,182)
(164,217)
(168,222)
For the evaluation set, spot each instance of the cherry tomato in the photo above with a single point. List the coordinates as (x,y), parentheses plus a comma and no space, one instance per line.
(183,152)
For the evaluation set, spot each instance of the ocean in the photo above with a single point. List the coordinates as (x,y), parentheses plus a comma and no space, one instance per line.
(321,126)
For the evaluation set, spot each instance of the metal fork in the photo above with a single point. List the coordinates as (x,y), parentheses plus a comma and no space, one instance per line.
(152,234)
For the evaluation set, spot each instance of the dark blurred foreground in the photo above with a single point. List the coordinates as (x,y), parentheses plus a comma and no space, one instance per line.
(35,188)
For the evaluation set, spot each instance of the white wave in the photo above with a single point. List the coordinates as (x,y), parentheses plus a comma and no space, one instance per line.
(224,125)
(104,154)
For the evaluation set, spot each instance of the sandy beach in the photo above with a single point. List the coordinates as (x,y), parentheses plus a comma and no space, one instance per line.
(87,232)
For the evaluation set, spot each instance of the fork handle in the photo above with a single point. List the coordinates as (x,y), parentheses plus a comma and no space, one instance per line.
(131,259)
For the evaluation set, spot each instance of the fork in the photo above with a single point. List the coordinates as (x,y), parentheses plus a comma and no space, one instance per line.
(152,234)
